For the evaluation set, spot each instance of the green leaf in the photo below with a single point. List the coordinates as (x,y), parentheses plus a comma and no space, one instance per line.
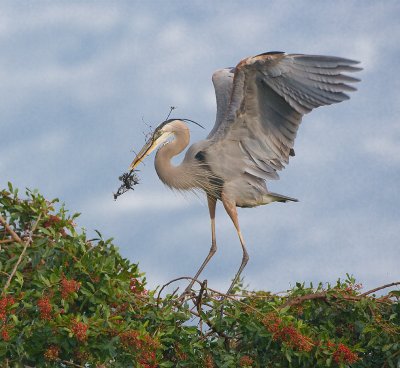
(387,347)
(288,356)
(167,364)
(19,277)
(44,280)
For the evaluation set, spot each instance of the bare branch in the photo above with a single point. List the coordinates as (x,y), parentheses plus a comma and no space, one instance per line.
(10,231)
(26,244)
(172,281)
(72,363)
(380,288)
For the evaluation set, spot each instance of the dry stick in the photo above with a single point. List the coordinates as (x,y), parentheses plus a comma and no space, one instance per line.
(26,244)
(232,297)
(298,300)
(170,282)
(320,295)
(324,295)
(199,301)
(203,288)
(380,288)
(227,296)
(9,230)
(199,298)
(71,363)
(7,241)
(212,327)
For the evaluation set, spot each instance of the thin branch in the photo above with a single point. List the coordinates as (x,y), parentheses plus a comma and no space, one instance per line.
(10,231)
(210,324)
(26,244)
(300,299)
(199,299)
(232,297)
(172,281)
(7,241)
(72,363)
(323,295)
(380,288)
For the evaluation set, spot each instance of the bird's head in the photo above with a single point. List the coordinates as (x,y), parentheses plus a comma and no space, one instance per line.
(158,137)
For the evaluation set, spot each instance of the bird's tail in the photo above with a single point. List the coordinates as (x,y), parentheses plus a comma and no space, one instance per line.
(274,197)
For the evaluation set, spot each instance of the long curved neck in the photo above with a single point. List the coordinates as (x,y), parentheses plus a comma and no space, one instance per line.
(174,176)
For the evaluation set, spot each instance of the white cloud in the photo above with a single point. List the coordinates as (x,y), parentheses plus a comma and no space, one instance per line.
(48,144)
(384,146)
(78,16)
(143,202)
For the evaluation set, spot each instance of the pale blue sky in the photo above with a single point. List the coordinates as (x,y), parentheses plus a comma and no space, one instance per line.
(80,81)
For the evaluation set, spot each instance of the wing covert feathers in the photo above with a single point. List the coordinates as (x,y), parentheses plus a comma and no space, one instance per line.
(260,104)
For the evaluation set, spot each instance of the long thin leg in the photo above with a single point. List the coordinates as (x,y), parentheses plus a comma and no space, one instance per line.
(211,207)
(230,208)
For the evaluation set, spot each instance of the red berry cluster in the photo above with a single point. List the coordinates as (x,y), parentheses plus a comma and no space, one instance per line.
(297,341)
(145,347)
(45,308)
(343,354)
(80,330)
(137,287)
(245,361)
(83,356)
(287,333)
(148,359)
(209,361)
(95,279)
(351,288)
(52,353)
(5,333)
(5,303)
(130,339)
(119,308)
(53,220)
(272,322)
(68,287)
(330,345)
(180,355)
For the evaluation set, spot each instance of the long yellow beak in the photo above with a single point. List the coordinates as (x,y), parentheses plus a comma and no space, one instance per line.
(149,147)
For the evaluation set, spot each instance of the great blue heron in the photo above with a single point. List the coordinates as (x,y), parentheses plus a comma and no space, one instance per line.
(260,104)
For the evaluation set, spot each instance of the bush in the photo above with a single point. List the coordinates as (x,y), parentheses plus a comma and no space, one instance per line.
(70,301)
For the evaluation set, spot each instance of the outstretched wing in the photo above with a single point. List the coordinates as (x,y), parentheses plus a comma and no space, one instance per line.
(223,82)
(270,94)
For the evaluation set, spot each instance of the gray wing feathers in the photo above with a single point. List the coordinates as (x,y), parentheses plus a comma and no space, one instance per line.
(223,81)
(269,95)
(308,81)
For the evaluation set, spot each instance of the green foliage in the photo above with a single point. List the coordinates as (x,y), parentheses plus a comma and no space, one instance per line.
(70,301)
